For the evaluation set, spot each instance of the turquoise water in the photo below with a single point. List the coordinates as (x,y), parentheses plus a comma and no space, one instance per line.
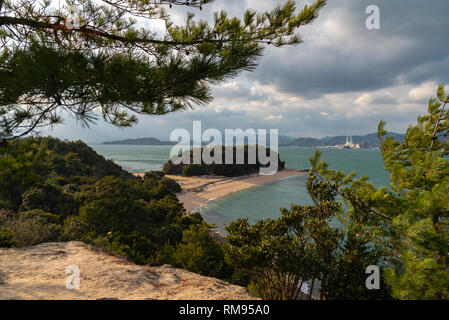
(362,161)
(265,201)
(135,158)
(262,201)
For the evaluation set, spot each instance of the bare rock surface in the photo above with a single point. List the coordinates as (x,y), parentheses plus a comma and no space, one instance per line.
(39,272)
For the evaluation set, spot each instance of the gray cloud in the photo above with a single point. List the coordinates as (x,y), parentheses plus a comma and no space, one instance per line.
(343,79)
(341,55)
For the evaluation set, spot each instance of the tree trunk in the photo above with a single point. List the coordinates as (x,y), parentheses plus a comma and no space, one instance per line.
(311,289)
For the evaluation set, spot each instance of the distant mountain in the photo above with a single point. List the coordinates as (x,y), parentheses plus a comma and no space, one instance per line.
(305,142)
(285,140)
(366,141)
(141,142)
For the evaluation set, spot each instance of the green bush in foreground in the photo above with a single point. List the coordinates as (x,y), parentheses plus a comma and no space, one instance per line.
(404,229)
(417,205)
(311,242)
(197,253)
(61,191)
(7,238)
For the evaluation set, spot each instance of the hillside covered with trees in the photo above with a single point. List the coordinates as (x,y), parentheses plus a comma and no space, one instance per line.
(222,169)
(51,190)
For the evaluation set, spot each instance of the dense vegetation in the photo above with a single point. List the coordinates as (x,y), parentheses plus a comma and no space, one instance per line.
(403,229)
(415,209)
(313,245)
(52,190)
(223,169)
(58,191)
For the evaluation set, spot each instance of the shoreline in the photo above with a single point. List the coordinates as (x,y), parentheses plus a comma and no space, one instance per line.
(197,191)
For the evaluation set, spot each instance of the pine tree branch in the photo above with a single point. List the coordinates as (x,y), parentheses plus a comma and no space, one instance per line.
(123,5)
(437,125)
(89,31)
(35,123)
(219,52)
(339,192)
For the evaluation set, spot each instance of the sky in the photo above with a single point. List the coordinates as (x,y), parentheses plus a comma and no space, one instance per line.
(342,80)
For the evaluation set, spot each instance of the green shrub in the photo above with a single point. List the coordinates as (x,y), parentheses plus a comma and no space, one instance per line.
(7,238)
(303,244)
(39,214)
(198,253)
(31,227)
(134,246)
(154,174)
(6,216)
(63,191)
(74,228)
(193,170)
(164,256)
(29,232)
(159,187)
(49,198)
(110,206)
(170,168)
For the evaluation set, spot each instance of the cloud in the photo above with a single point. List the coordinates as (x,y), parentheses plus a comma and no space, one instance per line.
(424,91)
(342,80)
(375,98)
(273,117)
(340,55)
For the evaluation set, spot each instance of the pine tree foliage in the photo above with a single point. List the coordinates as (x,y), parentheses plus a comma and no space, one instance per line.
(409,219)
(90,58)
(403,228)
(418,204)
(320,244)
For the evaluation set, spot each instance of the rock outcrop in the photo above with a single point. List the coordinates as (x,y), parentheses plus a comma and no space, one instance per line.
(39,272)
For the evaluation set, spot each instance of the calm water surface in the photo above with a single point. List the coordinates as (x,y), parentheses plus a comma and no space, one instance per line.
(262,201)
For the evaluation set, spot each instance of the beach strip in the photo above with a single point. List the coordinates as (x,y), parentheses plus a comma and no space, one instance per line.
(198,190)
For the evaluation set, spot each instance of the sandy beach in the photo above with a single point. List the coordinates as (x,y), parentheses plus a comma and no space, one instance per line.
(198,190)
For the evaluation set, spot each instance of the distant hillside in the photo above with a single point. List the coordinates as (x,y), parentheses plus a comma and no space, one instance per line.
(222,169)
(305,142)
(141,142)
(285,140)
(366,141)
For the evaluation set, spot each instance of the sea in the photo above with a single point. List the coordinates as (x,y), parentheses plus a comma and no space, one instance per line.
(262,201)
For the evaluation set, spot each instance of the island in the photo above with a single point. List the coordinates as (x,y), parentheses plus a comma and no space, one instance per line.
(150,141)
